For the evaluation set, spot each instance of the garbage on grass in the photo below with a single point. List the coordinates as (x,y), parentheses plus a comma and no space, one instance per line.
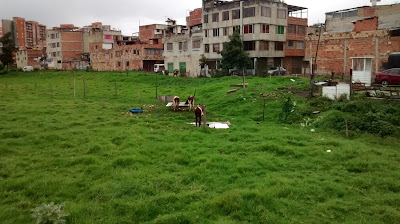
(136,111)
(216,125)
(329,151)
(312,130)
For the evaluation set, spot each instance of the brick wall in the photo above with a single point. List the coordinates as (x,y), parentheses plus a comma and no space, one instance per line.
(334,57)
(194,17)
(117,59)
(146,33)
(366,24)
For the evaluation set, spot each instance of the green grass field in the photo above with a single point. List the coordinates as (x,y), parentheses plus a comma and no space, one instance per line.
(111,167)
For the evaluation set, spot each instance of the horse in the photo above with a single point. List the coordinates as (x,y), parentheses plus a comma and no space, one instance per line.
(190,101)
(175,103)
(199,112)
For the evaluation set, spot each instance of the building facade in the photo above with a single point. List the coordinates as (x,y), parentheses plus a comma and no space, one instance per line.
(131,53)
(65,48)
(360,43)
(261,23)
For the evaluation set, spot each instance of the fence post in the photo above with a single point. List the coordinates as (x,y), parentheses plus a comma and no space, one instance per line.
(84,89)
(351,84)
(74,90)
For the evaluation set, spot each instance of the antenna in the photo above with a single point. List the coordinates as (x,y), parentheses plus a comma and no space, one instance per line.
(374,2)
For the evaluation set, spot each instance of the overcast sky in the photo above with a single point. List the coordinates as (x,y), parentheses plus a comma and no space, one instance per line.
(126,15)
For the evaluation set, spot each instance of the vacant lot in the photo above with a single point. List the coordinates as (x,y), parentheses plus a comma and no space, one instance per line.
(111,167)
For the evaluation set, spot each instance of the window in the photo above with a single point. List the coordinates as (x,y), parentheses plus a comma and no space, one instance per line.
(185,46)
(196,44)
(280,30)
(264,28)
(249,45)
(216,48)
(264,45)
(207,48)
(119,64)
(127,64)
(58,44)
(281,14)
(180,46)
(248,29)
(205,18)
(170,67)
(225,16)
(300,44)
(170,46)
(215,17)
(291,29)
(150,51)
(301,29)
(279,46)
(358,64)
(57,35)
(118,54)
(96,47)
(108,37)
(236,14)
(265,11)
(249,12)
(290,44)
(236,29)
(58,54)
(216,32)
(53,45)
(54,54)
(206,33)
(226,31)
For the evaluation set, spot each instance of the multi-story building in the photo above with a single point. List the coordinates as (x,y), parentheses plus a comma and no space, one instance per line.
(131,53)
(26,34)
(30,39)
(261,23)
(295,40)
(183,46)
(359,39)
(99,37)
(65,48)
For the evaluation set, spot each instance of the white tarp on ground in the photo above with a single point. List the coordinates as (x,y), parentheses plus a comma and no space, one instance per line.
(216,125)
(335,92)
(181,104)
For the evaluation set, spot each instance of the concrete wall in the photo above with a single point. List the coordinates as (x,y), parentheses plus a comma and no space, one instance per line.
(29,57)
(57,60)
(191,56)
(388,17)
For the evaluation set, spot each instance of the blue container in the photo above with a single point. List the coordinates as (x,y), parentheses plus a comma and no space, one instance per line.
(136,111)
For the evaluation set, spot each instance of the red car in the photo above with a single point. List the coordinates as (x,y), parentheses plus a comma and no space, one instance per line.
(388,77)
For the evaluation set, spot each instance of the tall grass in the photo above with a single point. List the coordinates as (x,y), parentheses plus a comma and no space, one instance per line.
(112,167)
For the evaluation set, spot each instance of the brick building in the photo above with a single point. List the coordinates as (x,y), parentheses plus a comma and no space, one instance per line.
(131,53)
(29,38)
(362,42)
(65,48)
(295,40)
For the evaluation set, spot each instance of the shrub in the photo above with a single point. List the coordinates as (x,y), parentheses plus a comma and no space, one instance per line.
(49,214)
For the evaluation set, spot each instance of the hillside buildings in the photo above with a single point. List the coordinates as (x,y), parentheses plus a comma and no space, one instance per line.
(263,25)
(359,39)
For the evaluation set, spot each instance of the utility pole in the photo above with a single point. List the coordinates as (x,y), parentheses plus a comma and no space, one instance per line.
(311,95)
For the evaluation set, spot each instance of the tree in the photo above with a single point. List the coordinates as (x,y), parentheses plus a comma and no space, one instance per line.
(6,56)
(233,55)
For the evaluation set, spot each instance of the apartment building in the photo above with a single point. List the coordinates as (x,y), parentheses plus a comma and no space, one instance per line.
(183,47)
(65,48)
(29,38)
(359,39)
(295,40)
(261,23)
(131,53)
(26,34)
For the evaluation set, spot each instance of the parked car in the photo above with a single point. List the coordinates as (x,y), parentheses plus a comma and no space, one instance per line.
(388,77)
(274,71)
(27,69)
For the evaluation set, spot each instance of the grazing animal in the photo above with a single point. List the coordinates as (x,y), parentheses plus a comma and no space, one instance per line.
(199,112)
(175,103)
(190,101)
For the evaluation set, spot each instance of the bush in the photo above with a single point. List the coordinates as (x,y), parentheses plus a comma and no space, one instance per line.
(49,214)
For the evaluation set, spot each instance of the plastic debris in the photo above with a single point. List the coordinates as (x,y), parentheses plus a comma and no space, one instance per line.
(312,130)
(329,151)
